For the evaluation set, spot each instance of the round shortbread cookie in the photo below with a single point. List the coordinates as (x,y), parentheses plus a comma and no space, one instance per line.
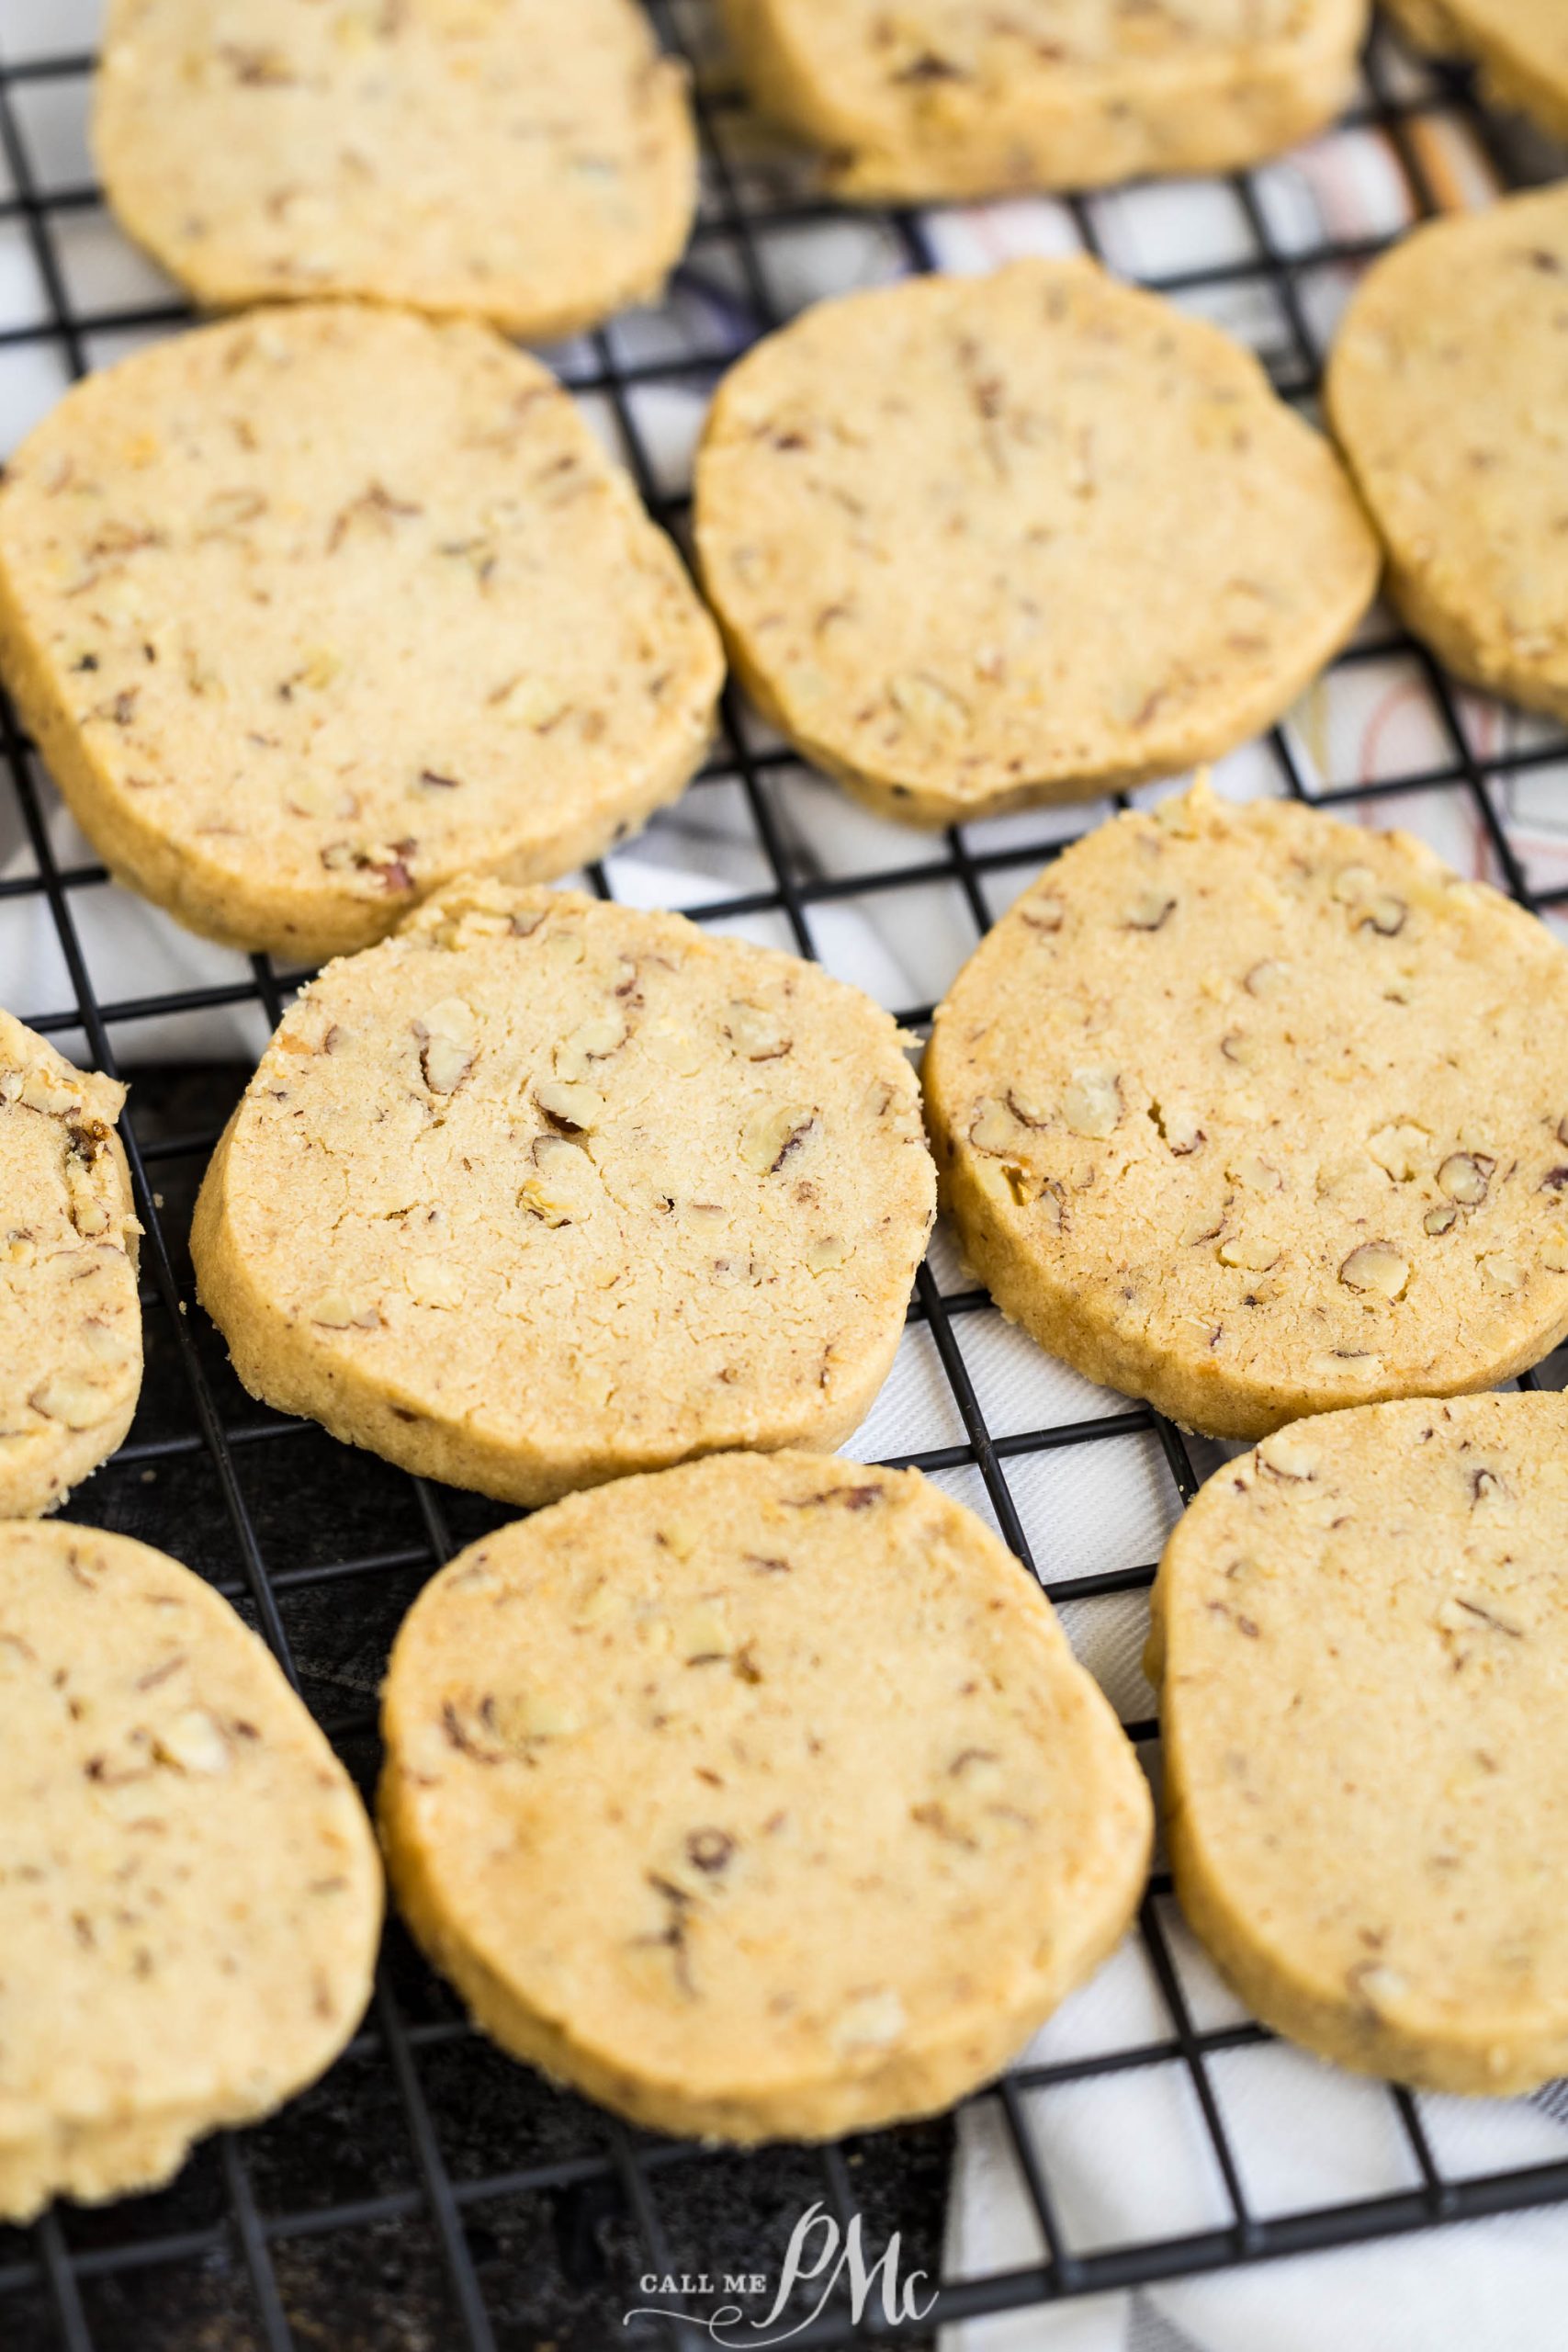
(314,610)
(492,158)
(1447,388)
(979,543)
(1521,47)
(1362,1633)
(762,1798)
(544,1189)
(1254,1114)
(70,1317)
(948,99)
(190,1892)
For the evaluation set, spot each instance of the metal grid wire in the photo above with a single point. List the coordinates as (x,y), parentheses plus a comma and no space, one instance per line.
(429,2192)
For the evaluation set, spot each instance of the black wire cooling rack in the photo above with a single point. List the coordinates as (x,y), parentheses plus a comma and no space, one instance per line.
(429,2196)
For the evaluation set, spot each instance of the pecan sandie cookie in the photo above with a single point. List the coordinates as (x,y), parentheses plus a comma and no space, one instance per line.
(313,610)
(1363,1635)
(1521,47)
(498,159)
(761,1798)
(544,1189)
(978,543)
(1255,1113)
(70,1317)
(954,97)
(1446,388)
(190,1897)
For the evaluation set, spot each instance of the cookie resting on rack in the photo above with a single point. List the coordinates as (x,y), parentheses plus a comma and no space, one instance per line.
(1447,386)
(1363,1635)
(190,1897)
(70,1317)
(312,611)
(1254,1114)
(497,159)
(979,543)
(954,98)
(760,1799)
(545,1189)
(1521,47)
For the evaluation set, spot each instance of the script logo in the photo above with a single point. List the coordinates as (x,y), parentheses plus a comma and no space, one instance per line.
(819,2256)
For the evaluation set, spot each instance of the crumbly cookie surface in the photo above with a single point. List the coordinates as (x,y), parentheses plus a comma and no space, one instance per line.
(946,98)
(760,1798)
(70,1317)
(1363,1635)
(1254,1114)
(492,158)
(978,543)
(1521,47)
(189,1892)
(544,1189)
(315,609)
(1446,388)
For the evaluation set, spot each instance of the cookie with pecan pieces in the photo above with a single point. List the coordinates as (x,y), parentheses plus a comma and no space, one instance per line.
(546,1189)
(949,98)
(1446,388)
(1254,1113)
(980,543)
(190,1898)
(70,1317)
(1361,1629)
(495,159)
(315,610)
(1521,47)
(761,1798)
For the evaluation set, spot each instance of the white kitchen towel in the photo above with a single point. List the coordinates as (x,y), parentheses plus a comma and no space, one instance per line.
(1126,2157)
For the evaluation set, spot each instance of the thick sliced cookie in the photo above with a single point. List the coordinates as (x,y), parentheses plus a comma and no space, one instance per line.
(1362,1631)
(494,158)
(1521,47)
(1254,1115)
(70,1317)
(762,1798)
(544,1189)
(978,543)
(953,98)
(190,1892)
(314,610)
(1447,388)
